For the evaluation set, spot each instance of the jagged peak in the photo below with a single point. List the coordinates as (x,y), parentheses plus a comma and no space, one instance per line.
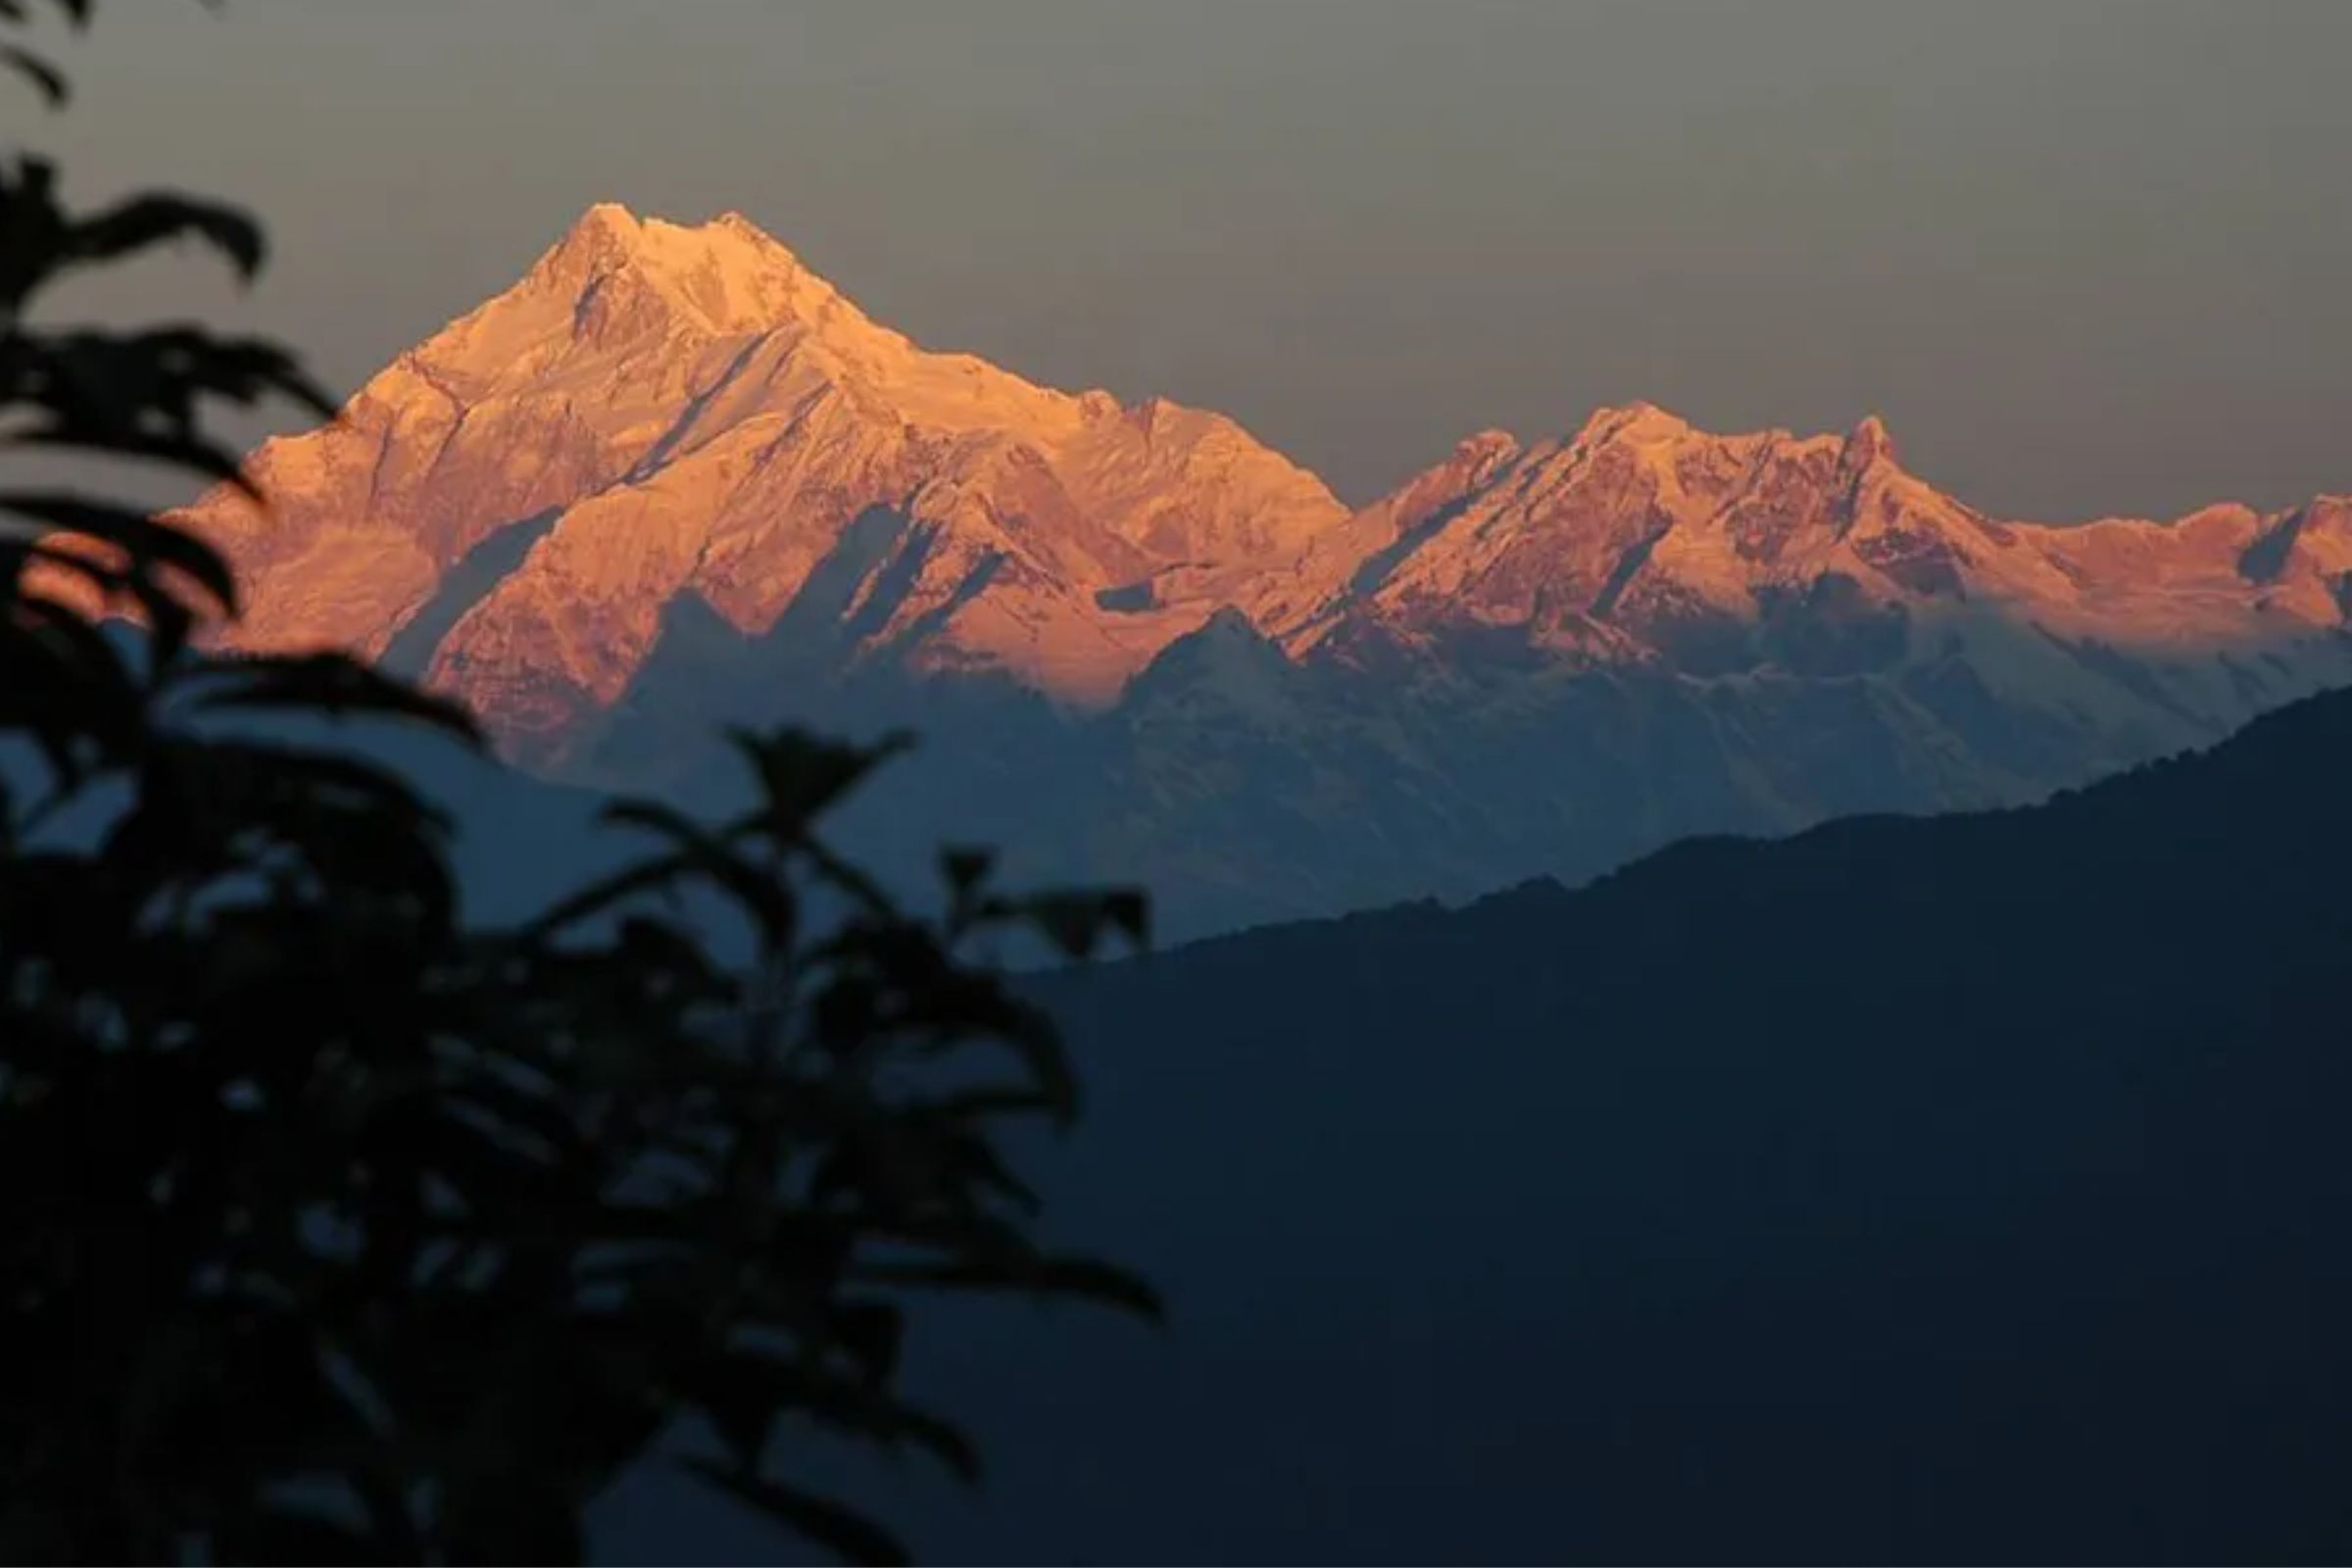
(732,232)
(1149,415)
(654,240)
(1475,460)
(608,217)
(605,235)
(1486,446)
(731,273)
(1870,442)
(1143,413)
(1640,420)
(1645,427)
(733,219)
(2333,511)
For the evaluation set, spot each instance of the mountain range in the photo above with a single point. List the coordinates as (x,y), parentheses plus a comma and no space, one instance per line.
(673,479)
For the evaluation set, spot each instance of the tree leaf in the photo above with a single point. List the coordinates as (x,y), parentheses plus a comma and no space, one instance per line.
(1075,921)
(141,536)
(157,217)
(332,684)
(805,774)
(43,75)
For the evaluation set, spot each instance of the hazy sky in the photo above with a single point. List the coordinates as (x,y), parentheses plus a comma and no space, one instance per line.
(2085,255)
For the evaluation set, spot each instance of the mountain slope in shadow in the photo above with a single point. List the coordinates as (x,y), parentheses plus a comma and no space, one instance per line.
(1961,1188)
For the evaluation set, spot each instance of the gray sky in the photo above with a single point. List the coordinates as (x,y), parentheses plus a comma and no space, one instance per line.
(2085,255)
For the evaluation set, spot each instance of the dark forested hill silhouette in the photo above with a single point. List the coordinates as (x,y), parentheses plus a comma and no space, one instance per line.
(1963,1189)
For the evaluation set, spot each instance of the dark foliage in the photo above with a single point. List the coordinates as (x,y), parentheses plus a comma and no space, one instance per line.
(334,1228)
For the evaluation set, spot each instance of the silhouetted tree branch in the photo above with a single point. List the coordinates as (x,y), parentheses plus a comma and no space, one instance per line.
(337,1228)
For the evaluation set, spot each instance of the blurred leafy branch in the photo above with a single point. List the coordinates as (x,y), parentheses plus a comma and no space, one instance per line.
(333,1228)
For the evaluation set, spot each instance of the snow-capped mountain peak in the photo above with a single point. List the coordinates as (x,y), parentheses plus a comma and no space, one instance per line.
(675,473)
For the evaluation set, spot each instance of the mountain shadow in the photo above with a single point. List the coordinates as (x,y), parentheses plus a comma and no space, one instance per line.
(410,654)
(979,736)
(1912,1190)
